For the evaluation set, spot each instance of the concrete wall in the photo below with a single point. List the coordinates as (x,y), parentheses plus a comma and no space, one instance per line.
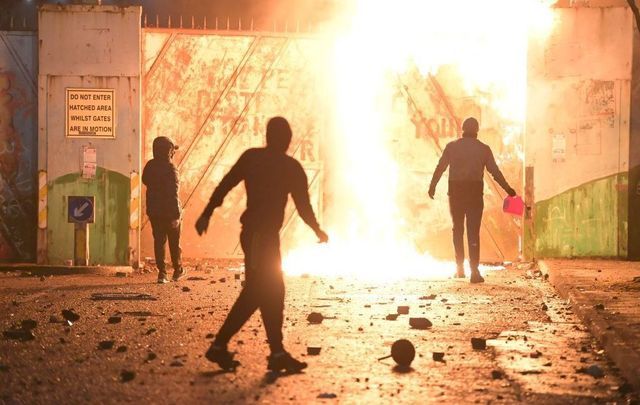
(18,145)
(577,135)
(90,47)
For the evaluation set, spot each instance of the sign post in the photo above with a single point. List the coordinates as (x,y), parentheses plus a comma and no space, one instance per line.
(80,212)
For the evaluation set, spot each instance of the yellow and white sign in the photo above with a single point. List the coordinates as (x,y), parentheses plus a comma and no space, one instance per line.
(90,113)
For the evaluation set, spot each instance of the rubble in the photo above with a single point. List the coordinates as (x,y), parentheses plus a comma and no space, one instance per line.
(438,356)
(327,395)
(313,350)
(497,374)
(420,323)
(594,371)
(403,310)
(70,316)
(391,317)
(126,376)
(114,319)
(478,343)
(20,334)
(105,345)
(315,318)
(403,352)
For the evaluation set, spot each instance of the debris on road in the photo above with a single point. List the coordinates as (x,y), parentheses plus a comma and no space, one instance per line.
(594,371)
(478,343)
(420,323)
(105,345)
(497,374)
(403,309)
(599,307)
(402,352)
(428,297)
(327,395)
(70,316)
(391,317)
(438,356)
(315,318)
(114,319)
(126,376)
(313,350)
(186,289)
(20,334)
(125,296)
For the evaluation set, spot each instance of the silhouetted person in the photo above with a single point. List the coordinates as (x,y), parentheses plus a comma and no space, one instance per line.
(269,176)
(163,206)
(467,158)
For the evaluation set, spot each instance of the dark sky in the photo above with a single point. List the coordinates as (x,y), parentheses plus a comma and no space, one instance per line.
(264,12)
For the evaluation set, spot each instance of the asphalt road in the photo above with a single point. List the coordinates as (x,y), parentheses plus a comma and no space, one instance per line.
(537,351)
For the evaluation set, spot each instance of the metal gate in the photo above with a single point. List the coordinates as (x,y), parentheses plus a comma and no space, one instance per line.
(213,93)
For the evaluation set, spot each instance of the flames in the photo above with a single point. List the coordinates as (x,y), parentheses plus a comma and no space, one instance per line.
(483,42)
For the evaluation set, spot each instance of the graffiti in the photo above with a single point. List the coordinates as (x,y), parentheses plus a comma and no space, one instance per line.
(17,210)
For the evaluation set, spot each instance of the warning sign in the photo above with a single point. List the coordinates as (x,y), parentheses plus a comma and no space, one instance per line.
(90,113)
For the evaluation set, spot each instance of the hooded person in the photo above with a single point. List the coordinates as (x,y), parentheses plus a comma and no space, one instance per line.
(269,176)
(467,159)
(163,206)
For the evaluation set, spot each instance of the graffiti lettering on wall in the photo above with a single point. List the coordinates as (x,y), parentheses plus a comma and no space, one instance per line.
(16,195)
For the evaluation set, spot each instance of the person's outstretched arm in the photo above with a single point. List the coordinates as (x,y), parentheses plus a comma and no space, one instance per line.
(228,182)
(492,167)
(300,194)
(443,163)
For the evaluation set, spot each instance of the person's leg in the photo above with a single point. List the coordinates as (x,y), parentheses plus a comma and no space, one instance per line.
(248,300)
(159,231)
(474,221)
(173,235)
(456,207)
(272,297)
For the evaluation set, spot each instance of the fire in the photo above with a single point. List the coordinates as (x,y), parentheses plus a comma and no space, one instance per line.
(483,42)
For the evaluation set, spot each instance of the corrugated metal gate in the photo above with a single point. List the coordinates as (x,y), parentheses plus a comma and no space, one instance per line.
(18,145)
(213,94)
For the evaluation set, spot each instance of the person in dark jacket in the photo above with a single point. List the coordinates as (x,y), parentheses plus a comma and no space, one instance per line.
(163,206)
(467,158)
(269,176)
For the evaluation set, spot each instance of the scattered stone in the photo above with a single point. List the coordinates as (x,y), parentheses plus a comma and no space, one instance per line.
(599,307)
(636,279)
(403,309)
(327,395)
(114,319)
(438,356)
(150,331)
(186,289)
(126,376)
(105,345)
(237,276)
(535,355)
(315,318)
(544,306)
(196,278)
(28,324)
(497,374)
(121,274)
(42,278)
(478,343)
(54,319)
(151,356)
(121,349)
(428,297)
(313,350)
(70,316)
(420,323)
(223,280)
(20,334)
(210,336)
(391,317)
(176,363)
(594,371)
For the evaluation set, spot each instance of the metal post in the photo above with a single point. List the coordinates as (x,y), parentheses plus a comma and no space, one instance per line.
(81,244)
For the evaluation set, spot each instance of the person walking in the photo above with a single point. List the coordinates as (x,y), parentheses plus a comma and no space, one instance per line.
(467,158)
(269,176)
(163,206)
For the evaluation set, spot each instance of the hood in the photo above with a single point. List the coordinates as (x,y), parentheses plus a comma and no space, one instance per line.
(162,147)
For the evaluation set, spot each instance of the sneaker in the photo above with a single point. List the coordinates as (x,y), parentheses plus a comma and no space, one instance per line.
(222,357)
(179,274)
(283,361)
(162,278)
(476,277)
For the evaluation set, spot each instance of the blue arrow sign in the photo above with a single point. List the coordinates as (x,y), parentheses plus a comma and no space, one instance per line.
(80,209)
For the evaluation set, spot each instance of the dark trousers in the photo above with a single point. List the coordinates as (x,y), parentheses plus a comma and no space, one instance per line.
(469,207)
(162,230)
(263,289)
